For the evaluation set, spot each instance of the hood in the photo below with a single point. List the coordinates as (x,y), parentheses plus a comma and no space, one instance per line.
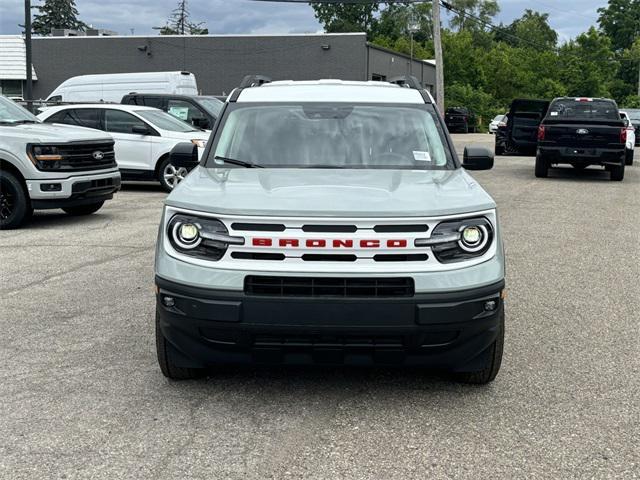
(52,133)
(326,192)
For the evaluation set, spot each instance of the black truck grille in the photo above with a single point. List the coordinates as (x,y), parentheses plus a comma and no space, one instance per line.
(81,156)
(328,287)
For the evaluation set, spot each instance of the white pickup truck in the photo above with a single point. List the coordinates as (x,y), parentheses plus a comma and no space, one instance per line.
(45,166)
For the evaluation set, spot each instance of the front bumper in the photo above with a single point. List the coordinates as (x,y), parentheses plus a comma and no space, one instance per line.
(70,185)
(583,155)
(450,331)
(75,191)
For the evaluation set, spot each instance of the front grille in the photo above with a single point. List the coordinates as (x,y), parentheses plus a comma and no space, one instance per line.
(328,287)
(328,341)
(79,156)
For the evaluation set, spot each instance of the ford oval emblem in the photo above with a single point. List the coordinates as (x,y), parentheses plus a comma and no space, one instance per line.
(98,155)
(582,131)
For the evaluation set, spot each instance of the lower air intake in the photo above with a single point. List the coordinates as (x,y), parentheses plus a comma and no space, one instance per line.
(328,287)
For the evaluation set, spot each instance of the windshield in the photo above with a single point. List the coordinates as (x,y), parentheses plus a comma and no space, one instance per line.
(314,135)
(499,118)
(165,121)
(212,105)
(11,112)
(634,114)
(584,109)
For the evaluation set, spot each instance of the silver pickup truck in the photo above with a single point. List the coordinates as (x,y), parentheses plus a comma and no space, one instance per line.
(44,166)
(330,222)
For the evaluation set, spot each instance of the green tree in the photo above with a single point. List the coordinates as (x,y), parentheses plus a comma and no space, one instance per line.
(343,17)
(394,21)
(534,30)
(56,14)
(484,10)
(180,22)
(620,21)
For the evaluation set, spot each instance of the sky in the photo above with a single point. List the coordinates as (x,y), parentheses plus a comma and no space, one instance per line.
(568,17)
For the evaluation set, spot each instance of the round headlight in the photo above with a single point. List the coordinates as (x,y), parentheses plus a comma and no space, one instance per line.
(186,235)
(473,238)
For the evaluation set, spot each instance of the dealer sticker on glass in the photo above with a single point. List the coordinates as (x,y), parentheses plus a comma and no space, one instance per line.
(421,156)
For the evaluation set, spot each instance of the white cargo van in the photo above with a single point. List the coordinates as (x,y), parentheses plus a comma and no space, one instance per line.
(112,87)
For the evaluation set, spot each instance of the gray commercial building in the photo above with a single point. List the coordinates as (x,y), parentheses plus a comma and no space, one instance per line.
(220,61)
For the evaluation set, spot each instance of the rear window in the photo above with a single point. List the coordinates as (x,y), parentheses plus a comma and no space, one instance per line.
(584,109)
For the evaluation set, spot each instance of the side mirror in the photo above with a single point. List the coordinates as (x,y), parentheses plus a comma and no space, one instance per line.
(140,130)
(201,122)
(477,158)
(184,155)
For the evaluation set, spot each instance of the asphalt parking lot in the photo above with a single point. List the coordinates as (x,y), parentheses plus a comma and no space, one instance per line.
(81,395)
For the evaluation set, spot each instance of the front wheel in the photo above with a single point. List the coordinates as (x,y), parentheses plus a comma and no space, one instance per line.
(15,206)
(542,167)
(488,374)
(170,176)
(499,149)
(84,209)
(628,158)
(166,359)
(617,173)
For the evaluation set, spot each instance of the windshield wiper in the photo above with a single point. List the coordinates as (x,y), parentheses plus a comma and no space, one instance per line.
(240,163)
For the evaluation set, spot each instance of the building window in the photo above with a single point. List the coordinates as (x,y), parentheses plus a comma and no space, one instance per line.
(11,88)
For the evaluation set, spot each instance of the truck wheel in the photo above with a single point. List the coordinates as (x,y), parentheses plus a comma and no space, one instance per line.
(84,209)
(617,173)
(166,361)
(488,374)
(542,167)
(628,159)
(15,206)
(466,129)
(170,176)
(499,149)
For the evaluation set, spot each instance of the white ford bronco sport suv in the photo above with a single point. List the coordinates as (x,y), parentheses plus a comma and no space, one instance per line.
(44,166)
(330,222)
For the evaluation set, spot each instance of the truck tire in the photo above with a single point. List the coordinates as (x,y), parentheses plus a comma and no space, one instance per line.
(15,206)
(166,361)
(617,173)
(488,374)
(628,158)
(542,166)
(84,209)
(498,149)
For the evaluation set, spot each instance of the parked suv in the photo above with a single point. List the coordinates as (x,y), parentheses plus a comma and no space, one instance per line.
(144,137)
(199,110)
(582,132)
(330,222)
(45,166)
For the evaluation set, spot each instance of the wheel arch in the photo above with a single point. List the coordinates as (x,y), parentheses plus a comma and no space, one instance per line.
(160,160)
(8,166)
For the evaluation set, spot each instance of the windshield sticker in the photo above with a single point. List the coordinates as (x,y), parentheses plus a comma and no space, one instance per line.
(421,156)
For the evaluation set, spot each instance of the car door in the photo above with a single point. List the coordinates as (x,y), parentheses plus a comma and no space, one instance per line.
(133,149)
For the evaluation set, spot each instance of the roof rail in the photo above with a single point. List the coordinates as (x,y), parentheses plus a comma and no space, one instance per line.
(407,81)
(254,81)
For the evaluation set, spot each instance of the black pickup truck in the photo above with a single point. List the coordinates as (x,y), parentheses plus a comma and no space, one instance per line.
(460,119)
(582,132)
(518,135)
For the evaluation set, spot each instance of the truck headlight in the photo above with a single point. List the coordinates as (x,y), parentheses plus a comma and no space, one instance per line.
(201,237)
(45,157)
(463,239)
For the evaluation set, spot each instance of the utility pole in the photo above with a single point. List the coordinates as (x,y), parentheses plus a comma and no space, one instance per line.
(639,78)
(27,42)
(437,43)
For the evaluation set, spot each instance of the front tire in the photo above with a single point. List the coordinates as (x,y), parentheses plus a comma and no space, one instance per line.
(167,362)
(170,176)
(542,166)
(498,149)
(84,209)
(628,159)
(617,173)
(488,374)
(15,206)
